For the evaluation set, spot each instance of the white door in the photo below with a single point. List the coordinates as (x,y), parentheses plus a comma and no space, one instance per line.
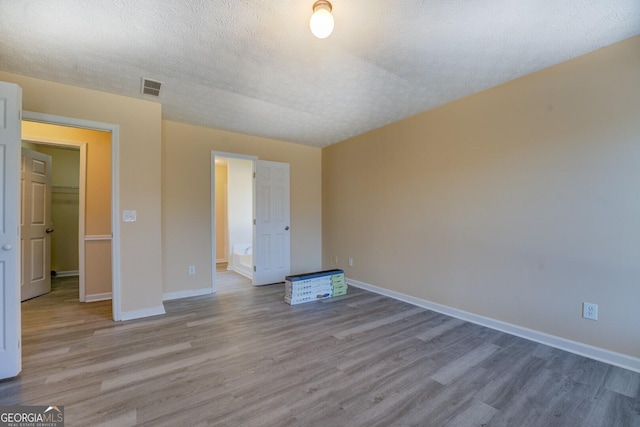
(272,246)
(10,112)
(35,224)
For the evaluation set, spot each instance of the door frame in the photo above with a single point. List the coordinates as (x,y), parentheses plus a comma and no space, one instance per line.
(82,182)
(115,190)
(215,154)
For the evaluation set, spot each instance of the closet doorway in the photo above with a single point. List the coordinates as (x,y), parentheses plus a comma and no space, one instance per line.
(80,204)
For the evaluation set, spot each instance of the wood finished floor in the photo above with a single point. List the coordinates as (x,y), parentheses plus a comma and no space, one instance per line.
(245,358)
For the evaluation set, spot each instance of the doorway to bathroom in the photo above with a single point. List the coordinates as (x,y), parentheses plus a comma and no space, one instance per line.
(233,222)
(250,218)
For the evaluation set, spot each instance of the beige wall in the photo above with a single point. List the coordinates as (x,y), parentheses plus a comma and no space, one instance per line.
(98,268)
(97,197)
(187,199)
(518,203)
(221,213)
(140,149)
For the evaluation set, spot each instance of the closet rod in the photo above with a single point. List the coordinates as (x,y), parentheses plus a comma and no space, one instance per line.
(67,187)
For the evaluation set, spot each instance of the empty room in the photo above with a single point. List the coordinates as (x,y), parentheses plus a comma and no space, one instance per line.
(462,178)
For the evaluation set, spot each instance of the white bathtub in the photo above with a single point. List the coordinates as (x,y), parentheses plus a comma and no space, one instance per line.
(242,259)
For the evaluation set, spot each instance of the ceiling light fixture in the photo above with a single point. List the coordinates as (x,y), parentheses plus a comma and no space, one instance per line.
(321,22)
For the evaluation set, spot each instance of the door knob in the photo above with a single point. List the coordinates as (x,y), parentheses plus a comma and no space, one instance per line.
(287,228)
(49,230)
(7,247)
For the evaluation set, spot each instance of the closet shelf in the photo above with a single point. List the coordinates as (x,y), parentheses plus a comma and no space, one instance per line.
(65,187)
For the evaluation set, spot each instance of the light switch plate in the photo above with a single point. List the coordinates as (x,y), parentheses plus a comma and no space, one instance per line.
(128,216)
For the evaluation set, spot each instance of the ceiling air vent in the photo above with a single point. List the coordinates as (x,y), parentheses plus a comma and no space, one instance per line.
(151,87)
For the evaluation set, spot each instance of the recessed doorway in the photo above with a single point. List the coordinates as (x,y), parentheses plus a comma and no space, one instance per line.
(233,224)
(107,242)
(263,248)
(89,194)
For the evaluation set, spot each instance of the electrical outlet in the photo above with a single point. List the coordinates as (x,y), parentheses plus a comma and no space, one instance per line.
(350,262)
(192,270)
(590,311)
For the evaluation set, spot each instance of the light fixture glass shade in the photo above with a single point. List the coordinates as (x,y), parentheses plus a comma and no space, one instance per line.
(321,22)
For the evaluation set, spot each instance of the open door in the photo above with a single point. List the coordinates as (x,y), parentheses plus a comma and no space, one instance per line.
(35,224)
(10,115)
(272,243)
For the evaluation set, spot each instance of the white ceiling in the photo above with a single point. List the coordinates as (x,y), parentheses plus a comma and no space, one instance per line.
(254,67)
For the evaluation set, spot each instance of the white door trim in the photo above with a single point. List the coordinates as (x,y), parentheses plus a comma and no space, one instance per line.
(115,189)
(82,182)
(215,154)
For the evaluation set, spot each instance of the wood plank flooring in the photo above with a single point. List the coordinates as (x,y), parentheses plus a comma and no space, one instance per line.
(243,357)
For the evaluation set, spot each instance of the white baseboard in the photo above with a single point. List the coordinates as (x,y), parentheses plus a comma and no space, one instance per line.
(596,353)
(186,294)
(222,260)
(97,297)
(139,314)
(69,273)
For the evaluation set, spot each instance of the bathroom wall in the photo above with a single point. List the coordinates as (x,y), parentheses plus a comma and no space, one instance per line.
(240,203)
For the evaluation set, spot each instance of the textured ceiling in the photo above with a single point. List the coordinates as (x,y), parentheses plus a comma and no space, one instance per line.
(254,67)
